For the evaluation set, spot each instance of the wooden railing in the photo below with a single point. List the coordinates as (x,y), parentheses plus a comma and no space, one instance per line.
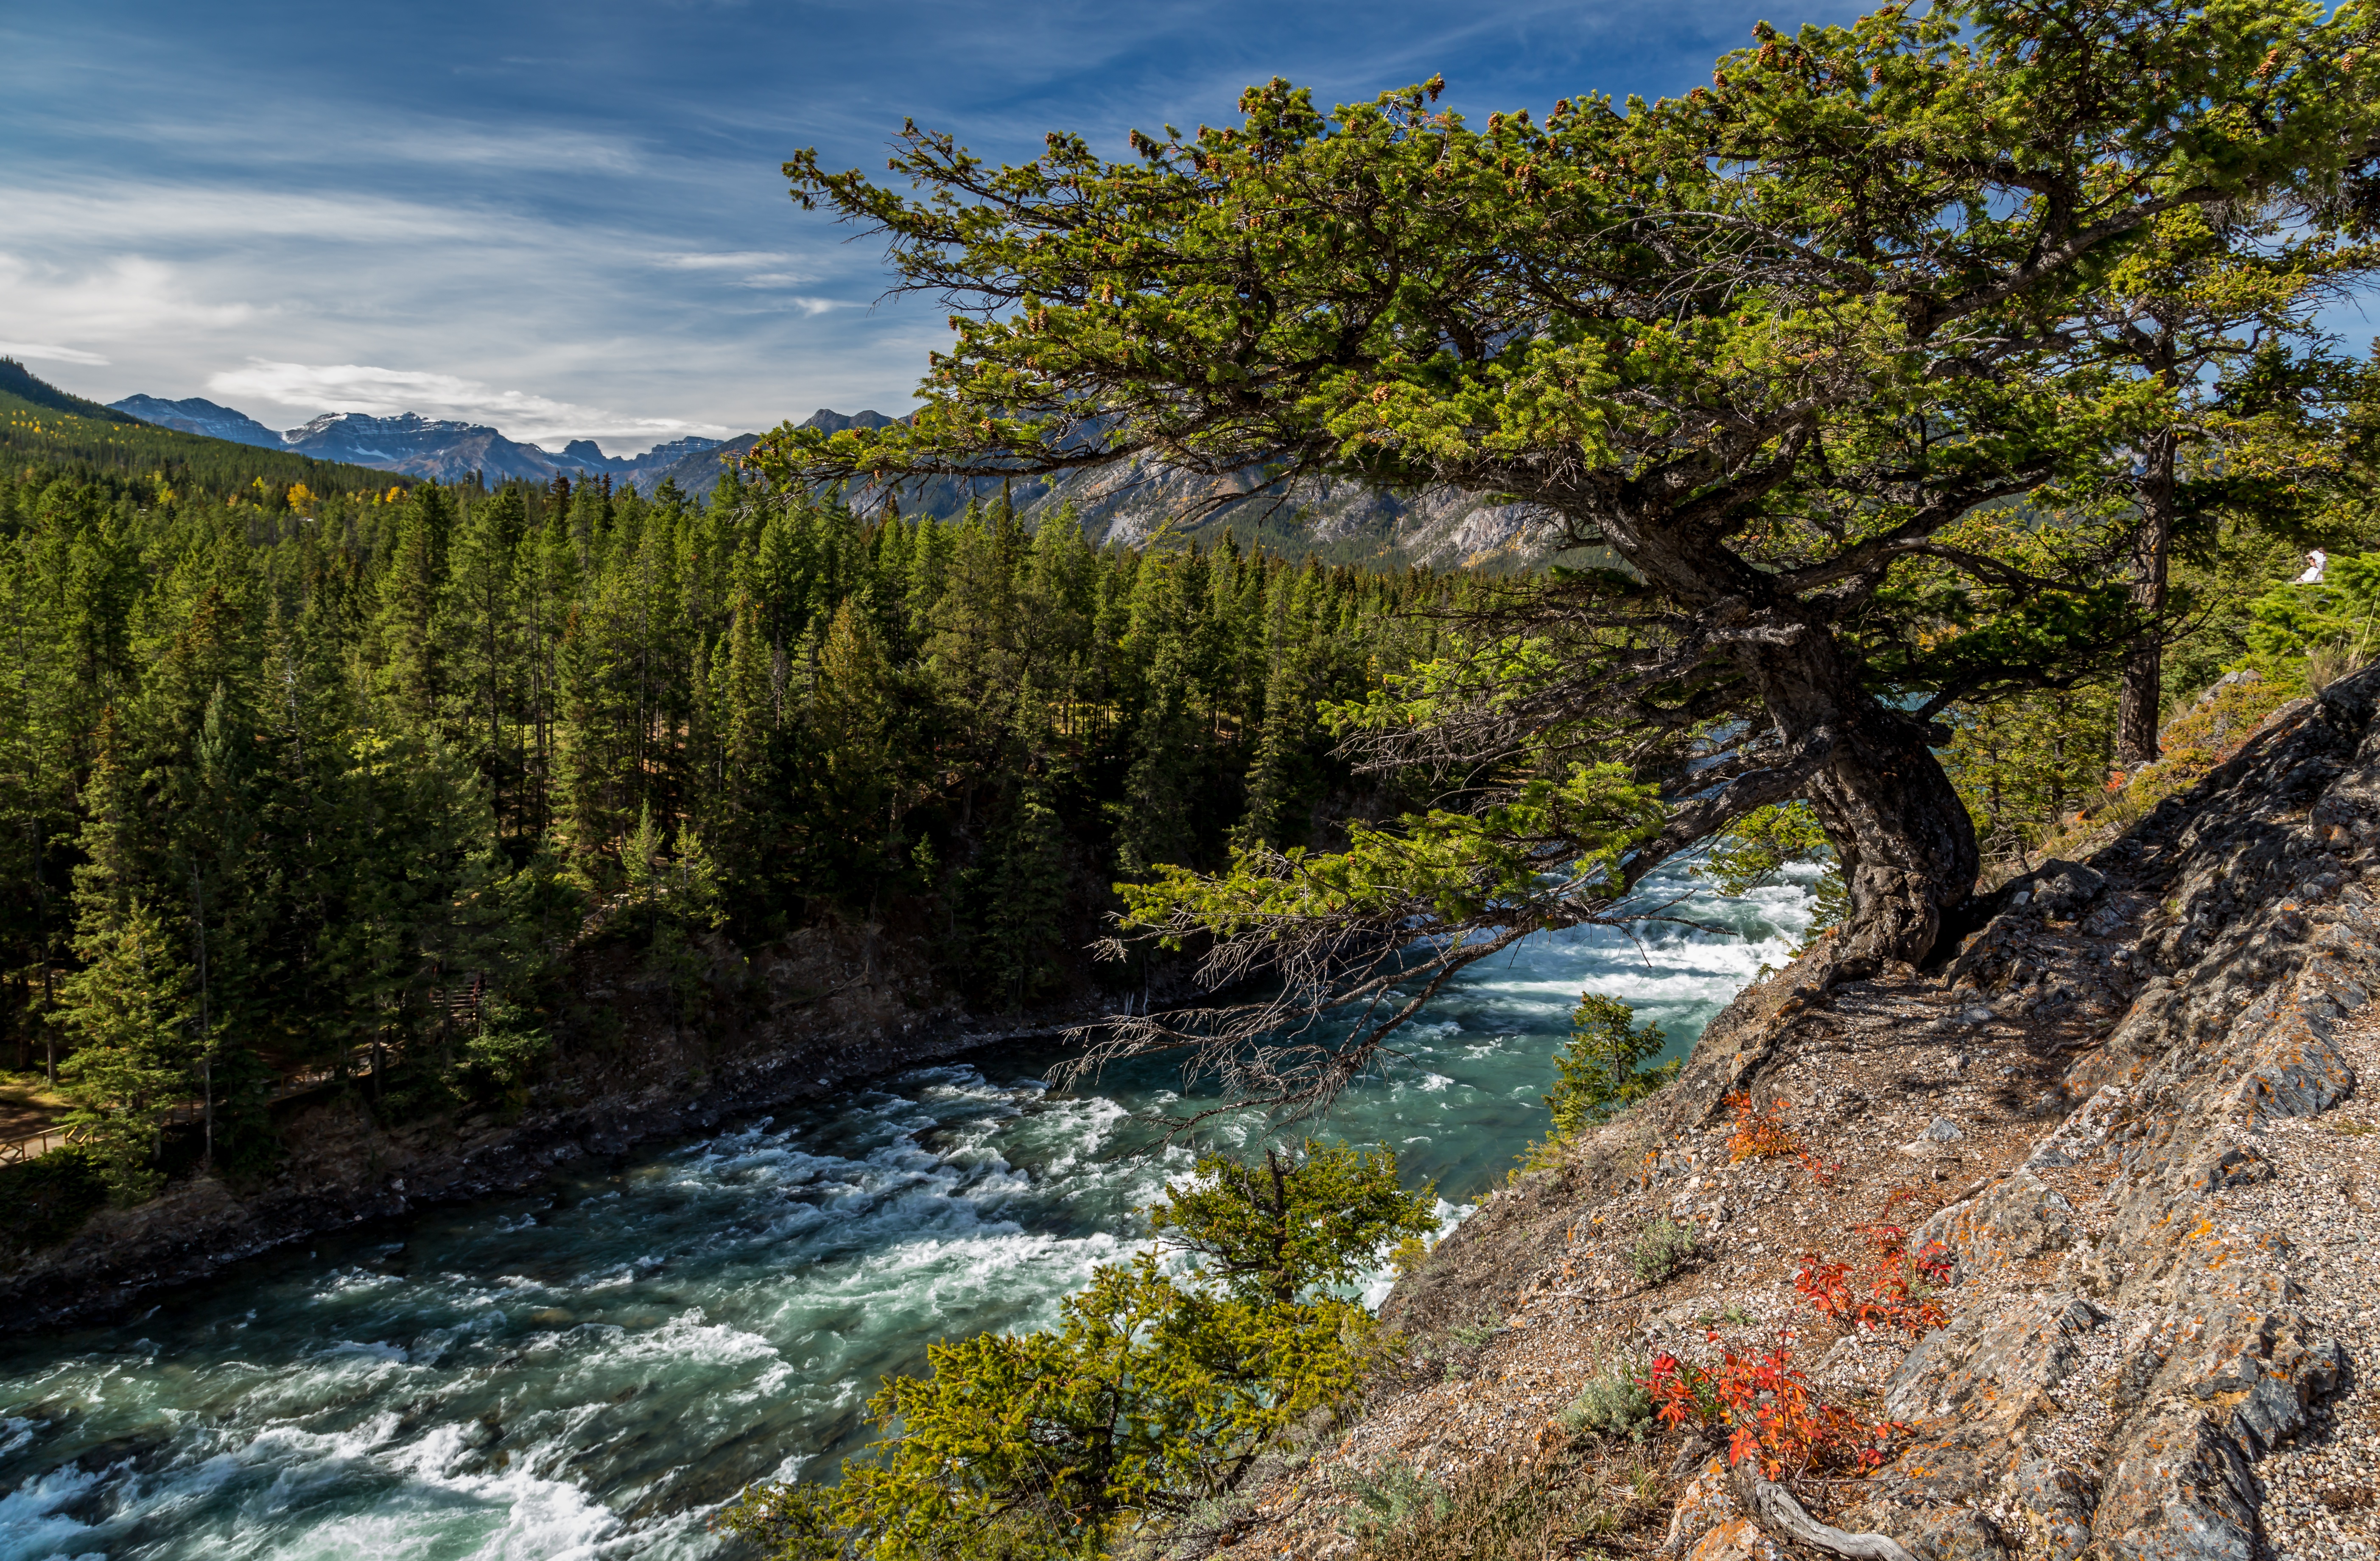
(30,1146)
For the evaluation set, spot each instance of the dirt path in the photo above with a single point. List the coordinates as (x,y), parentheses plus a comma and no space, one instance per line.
(26,1106)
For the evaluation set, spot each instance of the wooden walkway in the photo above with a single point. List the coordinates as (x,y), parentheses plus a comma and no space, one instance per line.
(29,1146)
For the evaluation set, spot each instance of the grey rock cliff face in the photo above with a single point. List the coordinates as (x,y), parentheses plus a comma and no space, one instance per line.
(2263,939)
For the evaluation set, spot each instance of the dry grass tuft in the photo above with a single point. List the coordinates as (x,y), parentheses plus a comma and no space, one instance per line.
(1589,1498)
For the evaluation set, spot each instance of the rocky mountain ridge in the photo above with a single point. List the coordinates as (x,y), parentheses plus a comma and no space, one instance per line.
(1345,521)
(1139,499)
(198,415)
(445,450)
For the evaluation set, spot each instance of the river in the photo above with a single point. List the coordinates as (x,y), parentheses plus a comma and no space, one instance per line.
(589,1370)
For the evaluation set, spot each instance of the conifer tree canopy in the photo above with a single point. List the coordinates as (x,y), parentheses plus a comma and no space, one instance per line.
(1790,347)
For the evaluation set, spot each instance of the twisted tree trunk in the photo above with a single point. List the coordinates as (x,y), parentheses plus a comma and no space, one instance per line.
(1907,846)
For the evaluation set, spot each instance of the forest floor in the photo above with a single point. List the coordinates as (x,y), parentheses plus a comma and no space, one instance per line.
(28,1104)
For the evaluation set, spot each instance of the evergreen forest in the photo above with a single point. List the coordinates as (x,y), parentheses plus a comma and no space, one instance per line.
(342,779)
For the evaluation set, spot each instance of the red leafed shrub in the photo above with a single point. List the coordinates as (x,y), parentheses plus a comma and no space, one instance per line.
(1893,1289)
(1760,1133)
(1769,1411)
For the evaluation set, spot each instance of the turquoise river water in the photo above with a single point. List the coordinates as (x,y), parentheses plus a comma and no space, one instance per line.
(587,1371)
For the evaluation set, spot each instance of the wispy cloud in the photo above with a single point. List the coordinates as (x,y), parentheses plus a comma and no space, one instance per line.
(44,349)
(210,198)
(379,392)
(112,299)
(729,260)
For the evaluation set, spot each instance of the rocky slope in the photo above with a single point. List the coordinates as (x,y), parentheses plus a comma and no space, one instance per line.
(1442,527)
(2127,1109)
(1347,521)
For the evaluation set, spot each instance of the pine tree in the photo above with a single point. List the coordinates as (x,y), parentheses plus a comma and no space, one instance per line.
(483,629)
(1021,892)
(1288,717)
(129,1011)
(413,673)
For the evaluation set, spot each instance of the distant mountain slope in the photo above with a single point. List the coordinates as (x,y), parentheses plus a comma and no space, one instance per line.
(698,474)
(198,415)
(1341,522)
(445,451)
(41,425)
(25,385)
(439,449)
(645,470)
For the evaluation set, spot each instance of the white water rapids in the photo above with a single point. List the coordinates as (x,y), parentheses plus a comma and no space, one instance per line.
(591,1370)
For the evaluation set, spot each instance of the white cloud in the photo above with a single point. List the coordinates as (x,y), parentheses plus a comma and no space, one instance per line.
(117,298)
(729,260)
(623,332)
(137,214)
(44,350)
(760,268)
(377,392)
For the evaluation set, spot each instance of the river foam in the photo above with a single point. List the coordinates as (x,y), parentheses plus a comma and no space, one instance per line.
(591,1371)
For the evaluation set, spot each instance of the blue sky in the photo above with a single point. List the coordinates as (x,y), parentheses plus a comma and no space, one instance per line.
(568,220)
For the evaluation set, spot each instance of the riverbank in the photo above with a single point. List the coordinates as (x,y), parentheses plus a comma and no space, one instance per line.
(817,1012)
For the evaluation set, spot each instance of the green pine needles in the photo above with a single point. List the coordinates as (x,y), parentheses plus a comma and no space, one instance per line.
(1601,1069)
(1755,851)
(1274,1228)
(1155,1393)
(1598,1072)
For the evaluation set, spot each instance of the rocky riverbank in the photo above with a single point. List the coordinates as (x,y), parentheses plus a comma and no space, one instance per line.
(791,1022)
(2127,1109)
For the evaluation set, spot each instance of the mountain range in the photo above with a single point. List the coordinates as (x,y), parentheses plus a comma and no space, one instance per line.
(1344,521)
(415,445)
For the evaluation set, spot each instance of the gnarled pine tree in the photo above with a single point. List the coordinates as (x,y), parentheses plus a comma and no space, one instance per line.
(1789,346)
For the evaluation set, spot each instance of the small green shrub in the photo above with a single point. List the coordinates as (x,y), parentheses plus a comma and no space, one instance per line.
(1613,1402)
(1664,1248)
(498,1063)
(46,1199)
(1155,1390)
(1274,1228)
(1474,1336)
(1599,1072)
(1530,1511)
(1394,1496)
